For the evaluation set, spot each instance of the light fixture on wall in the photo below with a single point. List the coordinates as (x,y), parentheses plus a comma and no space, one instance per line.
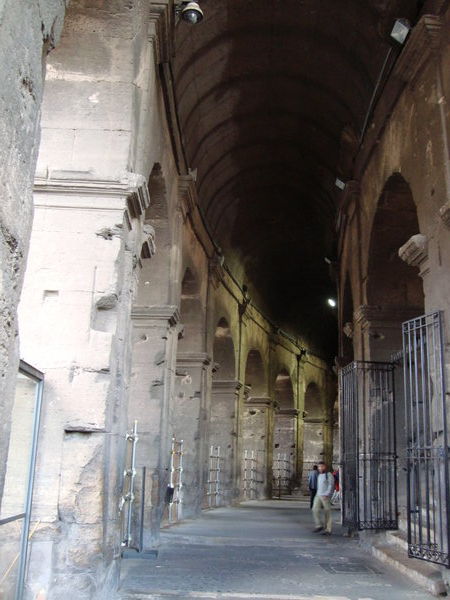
(340,184)
(189,12)
(332,302)
(401,30)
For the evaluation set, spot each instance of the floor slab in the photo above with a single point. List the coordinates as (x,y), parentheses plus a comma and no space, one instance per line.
(262,550)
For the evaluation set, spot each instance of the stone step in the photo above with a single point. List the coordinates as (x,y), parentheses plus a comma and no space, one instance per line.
(193,595)
(399,539)
(426,575)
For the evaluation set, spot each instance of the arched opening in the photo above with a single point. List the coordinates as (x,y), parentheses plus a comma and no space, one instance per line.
(313,430)
(222,427)
(255,376)
(394,294)
(154,282)
(256,417)
(394,289)
(284,435)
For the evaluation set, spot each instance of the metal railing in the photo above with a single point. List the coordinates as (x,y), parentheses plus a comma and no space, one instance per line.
(176,481)
(249,470)
(214,491)
(427,443)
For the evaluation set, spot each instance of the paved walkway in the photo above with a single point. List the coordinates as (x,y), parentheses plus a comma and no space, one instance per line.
(262,550)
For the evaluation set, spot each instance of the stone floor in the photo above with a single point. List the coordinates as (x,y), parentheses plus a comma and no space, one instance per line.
(261,550)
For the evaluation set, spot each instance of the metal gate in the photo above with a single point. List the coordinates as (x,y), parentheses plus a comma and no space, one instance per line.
(368,445)
(427,446)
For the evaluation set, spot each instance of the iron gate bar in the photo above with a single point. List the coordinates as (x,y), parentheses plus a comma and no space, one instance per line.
(427,440)
(369,454)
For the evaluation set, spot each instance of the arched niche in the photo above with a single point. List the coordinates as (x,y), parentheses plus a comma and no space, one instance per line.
(284,434)
(191,314)
(223,352)
(313,432)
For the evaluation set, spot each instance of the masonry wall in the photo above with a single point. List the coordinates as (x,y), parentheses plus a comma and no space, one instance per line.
(407,139)
(28,29)
(104,316)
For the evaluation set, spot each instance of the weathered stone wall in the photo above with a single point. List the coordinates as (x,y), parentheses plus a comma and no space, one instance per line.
(408,141)
(28,29)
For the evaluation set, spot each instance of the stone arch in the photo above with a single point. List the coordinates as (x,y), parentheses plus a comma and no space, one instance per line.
(154,279)
(256,427)
(224,408)
(284,433)
(223,352)
(390,280)
(313,432)
(255,374)
(191,314)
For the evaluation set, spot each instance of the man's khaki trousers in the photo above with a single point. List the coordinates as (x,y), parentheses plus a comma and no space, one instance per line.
(322,503)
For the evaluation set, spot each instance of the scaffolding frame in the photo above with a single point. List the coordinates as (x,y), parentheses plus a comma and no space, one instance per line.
(176,480)
(214,490)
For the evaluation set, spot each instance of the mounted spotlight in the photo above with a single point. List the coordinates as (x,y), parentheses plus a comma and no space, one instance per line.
(190,12)
(401,30)
(340,184)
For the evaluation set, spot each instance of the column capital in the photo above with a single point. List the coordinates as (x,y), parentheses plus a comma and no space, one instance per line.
(193,359)
(259,401)
(415,252)
(79,190)
(143,315)
(226,386)
(288,412)
(379,315)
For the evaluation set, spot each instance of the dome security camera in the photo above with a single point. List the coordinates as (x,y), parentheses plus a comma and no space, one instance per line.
(191,13)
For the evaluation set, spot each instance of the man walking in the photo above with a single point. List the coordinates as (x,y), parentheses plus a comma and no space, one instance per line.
(312,484)
(322,500)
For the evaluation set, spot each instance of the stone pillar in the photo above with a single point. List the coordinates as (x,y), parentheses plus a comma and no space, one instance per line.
(151,389)
(190,424)
(285,437)
(256,437)
(75,327)
(222,432)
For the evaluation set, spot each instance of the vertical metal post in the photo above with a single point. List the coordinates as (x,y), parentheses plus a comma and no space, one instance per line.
(133,438)
(29,494)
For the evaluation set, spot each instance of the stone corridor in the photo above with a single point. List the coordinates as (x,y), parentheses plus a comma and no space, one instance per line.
(263,549)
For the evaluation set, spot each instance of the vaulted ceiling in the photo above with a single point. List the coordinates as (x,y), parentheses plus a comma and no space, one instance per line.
(272,96)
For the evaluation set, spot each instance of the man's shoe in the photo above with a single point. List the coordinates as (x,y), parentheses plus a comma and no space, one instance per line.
(326,533)
(317,529)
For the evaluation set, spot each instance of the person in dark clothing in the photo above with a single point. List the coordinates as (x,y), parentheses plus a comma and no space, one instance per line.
(312,484)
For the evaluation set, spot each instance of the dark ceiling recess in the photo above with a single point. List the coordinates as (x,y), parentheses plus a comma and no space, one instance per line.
(269,93)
